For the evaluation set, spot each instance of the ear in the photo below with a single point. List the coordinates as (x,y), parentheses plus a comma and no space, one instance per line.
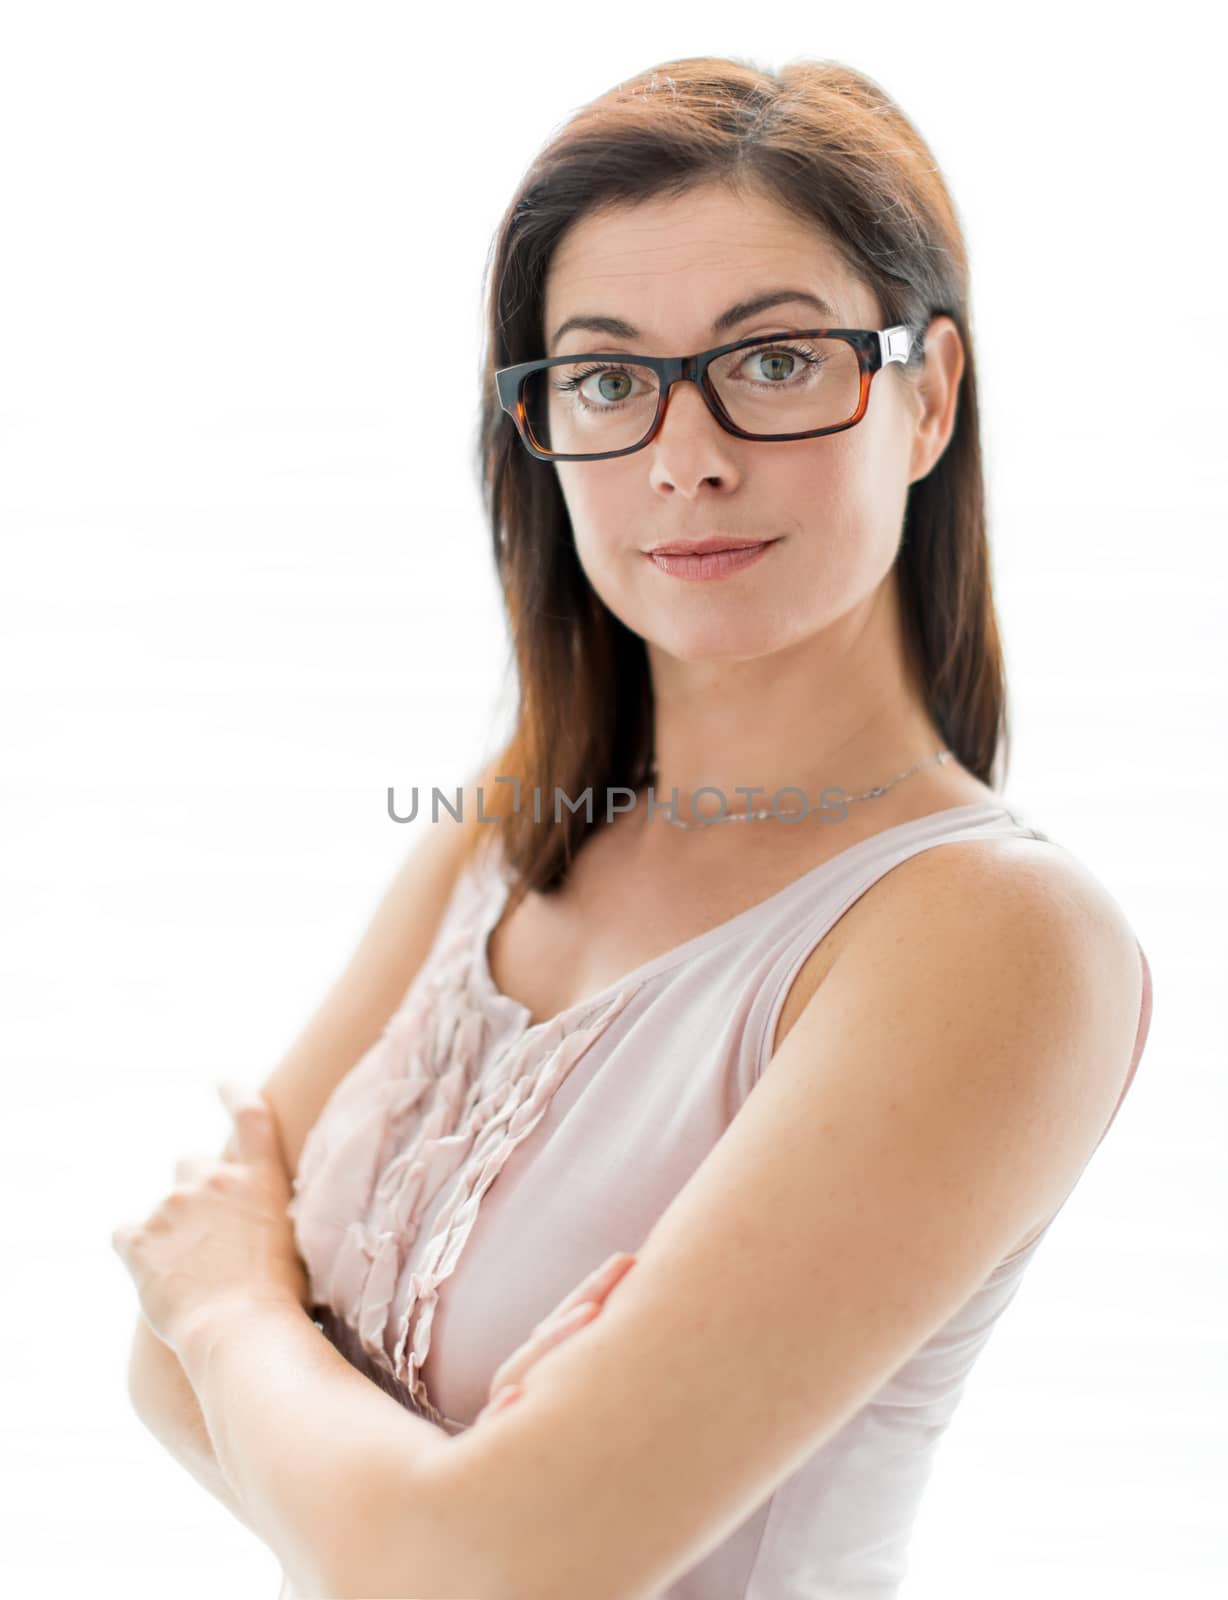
(936,390)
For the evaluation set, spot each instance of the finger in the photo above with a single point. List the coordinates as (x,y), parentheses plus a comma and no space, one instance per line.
(190,1169)
(584,1301)
(599,1282)
(553,1331)
(255,1134)
(505,1397)
(571,1313)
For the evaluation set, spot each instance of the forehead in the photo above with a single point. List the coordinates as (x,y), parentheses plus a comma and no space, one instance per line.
(680,260)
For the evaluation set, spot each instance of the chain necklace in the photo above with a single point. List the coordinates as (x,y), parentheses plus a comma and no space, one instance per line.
(746,816)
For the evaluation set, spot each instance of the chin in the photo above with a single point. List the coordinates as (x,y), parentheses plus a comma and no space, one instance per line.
(736,642)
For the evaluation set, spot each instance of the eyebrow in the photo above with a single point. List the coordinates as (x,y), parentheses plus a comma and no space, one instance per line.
(738,312)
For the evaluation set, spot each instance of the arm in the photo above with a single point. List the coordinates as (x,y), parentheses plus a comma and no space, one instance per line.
(167,1400)
(295,1426)
(348,1022)
(166,1403)
(939,1095)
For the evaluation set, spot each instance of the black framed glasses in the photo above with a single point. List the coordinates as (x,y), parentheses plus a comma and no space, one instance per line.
(770,388)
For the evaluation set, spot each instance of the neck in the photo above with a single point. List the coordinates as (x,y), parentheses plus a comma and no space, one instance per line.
(839,710)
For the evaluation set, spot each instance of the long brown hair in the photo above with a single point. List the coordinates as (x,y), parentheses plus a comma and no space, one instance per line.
(829,144)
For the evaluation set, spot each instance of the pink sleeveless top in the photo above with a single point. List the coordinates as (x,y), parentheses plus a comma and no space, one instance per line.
(470,1169)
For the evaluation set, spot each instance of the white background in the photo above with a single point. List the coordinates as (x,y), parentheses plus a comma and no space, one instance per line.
(246,586)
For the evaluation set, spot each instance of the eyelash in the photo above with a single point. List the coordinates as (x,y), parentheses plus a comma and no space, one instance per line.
(808,354)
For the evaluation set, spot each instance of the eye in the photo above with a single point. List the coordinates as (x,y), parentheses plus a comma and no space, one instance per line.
(790,361)
(619,380)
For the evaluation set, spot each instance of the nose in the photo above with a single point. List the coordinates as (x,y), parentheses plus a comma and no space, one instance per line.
(685,391)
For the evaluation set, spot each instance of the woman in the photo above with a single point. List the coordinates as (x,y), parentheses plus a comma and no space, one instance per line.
(826,1083)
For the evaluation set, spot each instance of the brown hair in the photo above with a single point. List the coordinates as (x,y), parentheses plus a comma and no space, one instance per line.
(831,146)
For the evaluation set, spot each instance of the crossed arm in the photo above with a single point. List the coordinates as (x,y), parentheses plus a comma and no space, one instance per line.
(939,1097)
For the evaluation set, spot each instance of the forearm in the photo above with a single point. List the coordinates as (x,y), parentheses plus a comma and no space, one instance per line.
(166,1403)
(298,1431)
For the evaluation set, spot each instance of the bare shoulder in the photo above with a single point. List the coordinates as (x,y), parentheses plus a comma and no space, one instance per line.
(1013,941)
(1038,901)
(1030,873)
(1014,946)
(957,886)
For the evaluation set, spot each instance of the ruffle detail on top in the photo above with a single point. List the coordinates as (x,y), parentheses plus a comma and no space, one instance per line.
(453,1085)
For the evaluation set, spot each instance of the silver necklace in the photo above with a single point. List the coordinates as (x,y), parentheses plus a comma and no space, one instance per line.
(795,811)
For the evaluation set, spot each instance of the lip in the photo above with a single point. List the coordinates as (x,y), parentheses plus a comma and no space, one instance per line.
(707,564)
(703,547)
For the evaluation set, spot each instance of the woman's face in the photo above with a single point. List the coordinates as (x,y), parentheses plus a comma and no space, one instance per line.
(833,506)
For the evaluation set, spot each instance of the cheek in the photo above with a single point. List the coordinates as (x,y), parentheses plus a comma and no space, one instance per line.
(607,523)
(851,503)
(604,560)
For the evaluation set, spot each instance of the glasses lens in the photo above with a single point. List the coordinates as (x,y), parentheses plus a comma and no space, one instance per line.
(778,386)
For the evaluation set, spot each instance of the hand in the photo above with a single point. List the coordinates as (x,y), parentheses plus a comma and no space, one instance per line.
(571,1314)
(223,1235)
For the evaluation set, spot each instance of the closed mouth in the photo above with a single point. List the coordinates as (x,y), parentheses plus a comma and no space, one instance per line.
(706,547)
